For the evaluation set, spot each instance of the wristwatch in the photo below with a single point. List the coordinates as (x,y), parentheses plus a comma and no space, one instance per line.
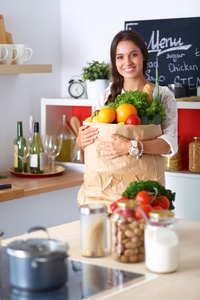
(134,150)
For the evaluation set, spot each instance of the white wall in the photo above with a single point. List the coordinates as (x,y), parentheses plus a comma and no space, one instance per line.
(36,23)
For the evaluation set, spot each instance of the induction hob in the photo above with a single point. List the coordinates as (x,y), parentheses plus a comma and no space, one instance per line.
(85,281)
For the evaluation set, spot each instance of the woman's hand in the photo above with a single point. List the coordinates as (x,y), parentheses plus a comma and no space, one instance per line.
(86,136)
(115,147)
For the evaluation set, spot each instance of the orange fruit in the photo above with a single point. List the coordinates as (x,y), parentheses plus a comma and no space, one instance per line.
(106,115)
(123,111)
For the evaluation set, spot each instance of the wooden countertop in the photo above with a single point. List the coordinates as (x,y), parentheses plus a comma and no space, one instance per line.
(24,187)
(182,284)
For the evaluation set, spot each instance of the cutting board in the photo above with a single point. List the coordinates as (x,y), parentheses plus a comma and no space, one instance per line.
(12,193)
(2,31)
(5,37)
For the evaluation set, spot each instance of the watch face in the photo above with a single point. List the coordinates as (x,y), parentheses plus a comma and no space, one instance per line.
(134,151)
(76,89)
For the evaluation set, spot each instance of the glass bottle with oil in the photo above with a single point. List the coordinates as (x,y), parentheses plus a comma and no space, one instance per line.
(68,143)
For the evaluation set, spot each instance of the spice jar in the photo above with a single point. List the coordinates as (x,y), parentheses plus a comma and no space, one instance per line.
(194,155)
(161,242)
(93,230)
(173,163)
(127,232)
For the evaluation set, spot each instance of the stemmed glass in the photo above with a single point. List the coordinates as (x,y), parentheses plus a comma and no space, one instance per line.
(52,146)
(23,154)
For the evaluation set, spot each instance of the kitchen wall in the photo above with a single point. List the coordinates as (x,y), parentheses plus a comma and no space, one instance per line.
(65,34)
(37,24)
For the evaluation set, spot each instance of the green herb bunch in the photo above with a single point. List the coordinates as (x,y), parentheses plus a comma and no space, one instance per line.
(96,70)
(151,186)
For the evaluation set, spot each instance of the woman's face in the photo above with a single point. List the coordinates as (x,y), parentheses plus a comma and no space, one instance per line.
(129,60)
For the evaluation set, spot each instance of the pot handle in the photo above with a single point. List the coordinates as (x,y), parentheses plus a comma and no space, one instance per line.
(39,260)
(36,228)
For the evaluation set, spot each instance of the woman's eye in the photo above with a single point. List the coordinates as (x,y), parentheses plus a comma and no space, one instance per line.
(134,54)
(119,57)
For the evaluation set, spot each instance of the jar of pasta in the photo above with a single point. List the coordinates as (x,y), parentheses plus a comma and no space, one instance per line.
(173,163)
(194,155)
(127,232)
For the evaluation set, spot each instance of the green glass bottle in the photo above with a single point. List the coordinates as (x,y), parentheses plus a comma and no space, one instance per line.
(37,155)
(19,144)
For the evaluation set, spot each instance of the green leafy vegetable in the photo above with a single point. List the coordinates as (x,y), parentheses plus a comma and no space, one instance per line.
(136,98)
(3,176)
(156,107)
(152,186)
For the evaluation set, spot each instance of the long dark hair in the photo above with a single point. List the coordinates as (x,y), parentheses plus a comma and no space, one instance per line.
(118,80)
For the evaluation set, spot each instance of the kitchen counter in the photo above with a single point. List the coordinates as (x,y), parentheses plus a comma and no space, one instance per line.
(24,187)
(182,284)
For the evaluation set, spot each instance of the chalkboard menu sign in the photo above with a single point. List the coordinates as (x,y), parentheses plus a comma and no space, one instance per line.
(174,46)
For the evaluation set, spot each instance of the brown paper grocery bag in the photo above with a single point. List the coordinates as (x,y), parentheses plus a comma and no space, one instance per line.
(106,180)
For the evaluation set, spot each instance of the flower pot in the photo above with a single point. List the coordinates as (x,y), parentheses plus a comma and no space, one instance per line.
(94,88)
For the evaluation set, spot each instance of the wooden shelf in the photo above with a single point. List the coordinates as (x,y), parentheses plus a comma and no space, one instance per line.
(20,69)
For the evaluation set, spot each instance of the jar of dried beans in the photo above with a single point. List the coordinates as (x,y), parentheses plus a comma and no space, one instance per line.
(127,232)
(194,155)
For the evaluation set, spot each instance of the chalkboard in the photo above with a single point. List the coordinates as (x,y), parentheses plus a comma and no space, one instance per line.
(174,46)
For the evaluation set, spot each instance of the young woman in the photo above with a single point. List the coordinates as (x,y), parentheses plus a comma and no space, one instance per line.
(129,58)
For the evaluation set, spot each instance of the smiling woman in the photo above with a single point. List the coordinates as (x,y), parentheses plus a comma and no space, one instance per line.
(110,147)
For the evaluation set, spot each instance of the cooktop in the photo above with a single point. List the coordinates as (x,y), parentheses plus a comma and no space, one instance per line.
(85,281)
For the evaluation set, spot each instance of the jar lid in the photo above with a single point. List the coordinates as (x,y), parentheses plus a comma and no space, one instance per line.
(196,137)
(128,203)
(93,208)
(161,214)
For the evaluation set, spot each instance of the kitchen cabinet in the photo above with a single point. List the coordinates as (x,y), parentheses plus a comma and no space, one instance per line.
(20,69)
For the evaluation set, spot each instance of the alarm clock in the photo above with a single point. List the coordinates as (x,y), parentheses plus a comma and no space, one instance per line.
(76,88)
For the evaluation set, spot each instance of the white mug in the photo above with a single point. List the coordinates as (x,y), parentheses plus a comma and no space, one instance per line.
(7,59)
(3,52)
(22,58)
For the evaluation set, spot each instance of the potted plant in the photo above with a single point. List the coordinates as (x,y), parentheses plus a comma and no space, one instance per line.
(96,76)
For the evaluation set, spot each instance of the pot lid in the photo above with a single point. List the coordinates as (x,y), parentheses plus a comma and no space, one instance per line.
(36,248)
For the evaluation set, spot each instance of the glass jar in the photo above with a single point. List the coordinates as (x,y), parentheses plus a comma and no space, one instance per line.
(194,155)
(173,163)
(161,242)
(127,232)
(93,230)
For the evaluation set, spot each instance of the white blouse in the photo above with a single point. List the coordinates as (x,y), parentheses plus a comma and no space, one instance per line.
(169,126)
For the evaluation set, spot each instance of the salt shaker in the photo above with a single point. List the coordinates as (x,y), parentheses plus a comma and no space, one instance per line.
(93,230)
(161,242)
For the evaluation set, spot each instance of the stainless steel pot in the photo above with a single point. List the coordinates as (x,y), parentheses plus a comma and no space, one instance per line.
(37,264)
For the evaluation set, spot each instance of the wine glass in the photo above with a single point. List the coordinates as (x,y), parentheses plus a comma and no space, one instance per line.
(52,146)
(23,154)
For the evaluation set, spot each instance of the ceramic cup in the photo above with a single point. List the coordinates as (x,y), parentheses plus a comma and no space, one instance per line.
(3,52)
(23,57)
(8,48)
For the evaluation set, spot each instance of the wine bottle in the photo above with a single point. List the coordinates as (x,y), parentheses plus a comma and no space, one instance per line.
(37,155)
(19,144)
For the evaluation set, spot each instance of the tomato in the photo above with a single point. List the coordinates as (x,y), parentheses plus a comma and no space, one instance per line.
(157,207)
(113,205)
(133,120)
(146,208)
(144,197)
(162,201)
